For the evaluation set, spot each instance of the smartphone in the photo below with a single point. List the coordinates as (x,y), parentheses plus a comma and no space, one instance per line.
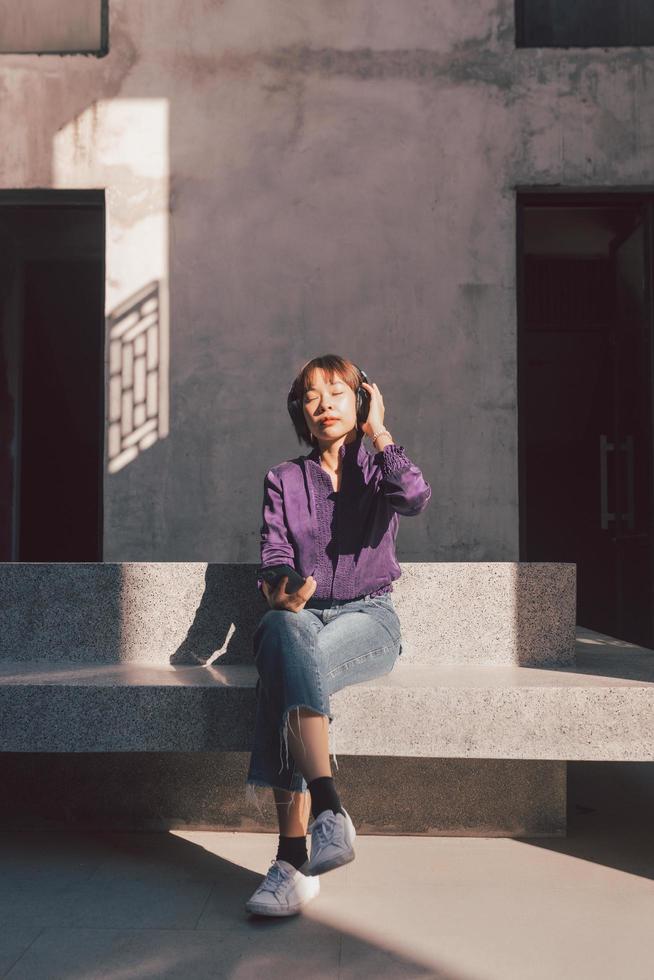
(273,573)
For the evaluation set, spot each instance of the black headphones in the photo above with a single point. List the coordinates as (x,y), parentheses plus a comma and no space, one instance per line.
(362,396)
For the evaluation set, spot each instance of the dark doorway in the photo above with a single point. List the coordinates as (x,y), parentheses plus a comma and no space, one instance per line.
(585,400)
(51,375)
(584,23)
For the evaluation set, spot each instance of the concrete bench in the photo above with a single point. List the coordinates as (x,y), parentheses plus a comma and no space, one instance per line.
(495,690)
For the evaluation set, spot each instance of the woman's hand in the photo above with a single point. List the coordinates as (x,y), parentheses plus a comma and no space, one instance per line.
(294,601)
(375,420)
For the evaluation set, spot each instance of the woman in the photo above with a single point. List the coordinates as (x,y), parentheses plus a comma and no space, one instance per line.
(333,513)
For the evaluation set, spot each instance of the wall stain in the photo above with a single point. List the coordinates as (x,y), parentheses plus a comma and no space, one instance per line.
(474,61)
(411,64)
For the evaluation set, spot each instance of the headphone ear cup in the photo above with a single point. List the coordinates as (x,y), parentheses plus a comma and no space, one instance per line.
(295,411)
(363,399)
(363,404)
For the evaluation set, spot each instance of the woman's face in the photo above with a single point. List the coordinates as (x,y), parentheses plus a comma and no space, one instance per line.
(324,400)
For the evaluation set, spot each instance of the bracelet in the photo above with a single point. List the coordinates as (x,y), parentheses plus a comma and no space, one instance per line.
(378,434)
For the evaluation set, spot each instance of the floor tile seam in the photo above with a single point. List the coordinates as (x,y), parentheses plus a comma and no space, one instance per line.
(25,951)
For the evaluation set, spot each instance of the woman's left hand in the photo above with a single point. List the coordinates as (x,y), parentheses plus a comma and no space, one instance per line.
(375,420)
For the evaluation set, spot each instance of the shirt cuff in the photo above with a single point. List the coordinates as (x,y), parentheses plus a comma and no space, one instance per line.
(393,459)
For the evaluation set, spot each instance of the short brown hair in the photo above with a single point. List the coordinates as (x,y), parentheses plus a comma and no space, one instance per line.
(332,365)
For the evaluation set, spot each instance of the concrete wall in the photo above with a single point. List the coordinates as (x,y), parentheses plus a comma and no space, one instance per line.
(300,178)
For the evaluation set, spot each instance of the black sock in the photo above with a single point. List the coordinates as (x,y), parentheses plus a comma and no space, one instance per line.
(293,850)
(324,795)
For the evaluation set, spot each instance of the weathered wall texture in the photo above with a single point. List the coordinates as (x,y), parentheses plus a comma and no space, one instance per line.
(301,178)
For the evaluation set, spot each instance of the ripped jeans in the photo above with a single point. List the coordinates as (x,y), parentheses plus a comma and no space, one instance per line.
(302,658)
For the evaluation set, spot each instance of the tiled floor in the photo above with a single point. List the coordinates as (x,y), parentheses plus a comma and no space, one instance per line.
(81,906)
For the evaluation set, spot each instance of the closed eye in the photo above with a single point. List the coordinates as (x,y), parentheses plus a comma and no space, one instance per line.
(339,392)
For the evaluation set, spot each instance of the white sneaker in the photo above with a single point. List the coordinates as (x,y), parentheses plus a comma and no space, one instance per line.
(283,891)
(332,837)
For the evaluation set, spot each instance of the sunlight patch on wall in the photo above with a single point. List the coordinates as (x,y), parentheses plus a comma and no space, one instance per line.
(122,145)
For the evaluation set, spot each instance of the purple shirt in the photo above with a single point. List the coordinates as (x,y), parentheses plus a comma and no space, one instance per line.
(346,540)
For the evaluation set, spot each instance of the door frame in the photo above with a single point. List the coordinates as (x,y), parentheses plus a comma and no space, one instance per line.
(577,197)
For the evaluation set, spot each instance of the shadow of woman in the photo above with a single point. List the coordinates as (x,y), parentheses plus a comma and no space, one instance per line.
(225,619)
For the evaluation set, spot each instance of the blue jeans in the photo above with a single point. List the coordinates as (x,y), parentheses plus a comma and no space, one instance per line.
(302,658)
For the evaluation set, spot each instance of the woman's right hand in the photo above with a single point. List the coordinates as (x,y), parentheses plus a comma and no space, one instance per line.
(294,601)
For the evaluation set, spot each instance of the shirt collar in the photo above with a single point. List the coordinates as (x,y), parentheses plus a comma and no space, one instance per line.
(354,450)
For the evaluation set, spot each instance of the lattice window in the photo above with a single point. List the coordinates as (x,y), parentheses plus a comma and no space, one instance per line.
(134,376)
